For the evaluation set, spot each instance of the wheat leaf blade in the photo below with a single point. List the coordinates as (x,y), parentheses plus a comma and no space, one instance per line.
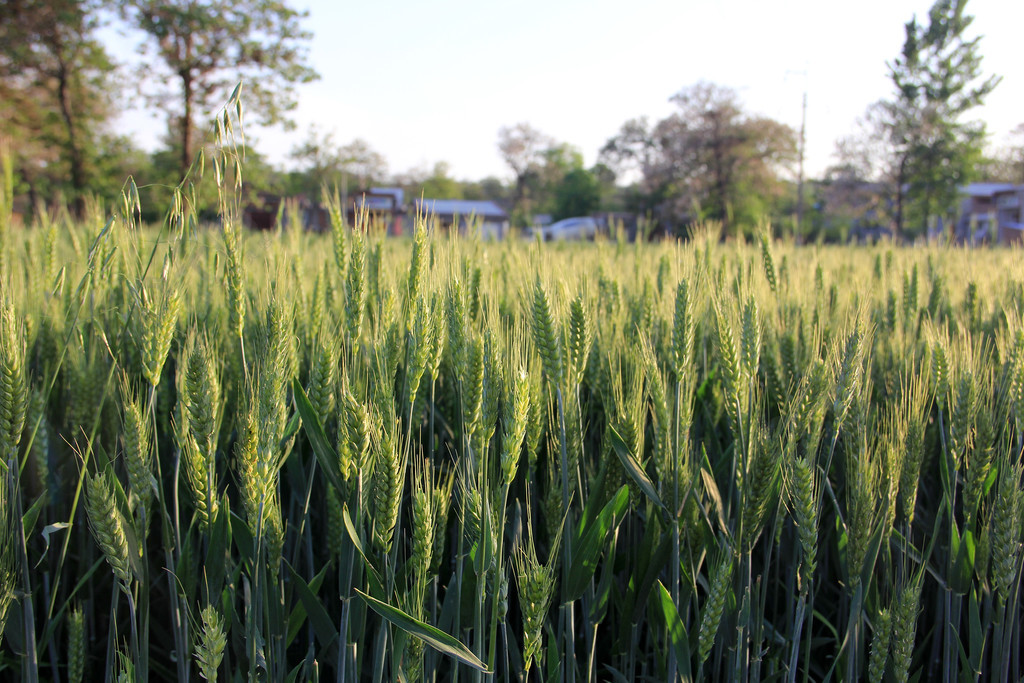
(633,468)
(436,638)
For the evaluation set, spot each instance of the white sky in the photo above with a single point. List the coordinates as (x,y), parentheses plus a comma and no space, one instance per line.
(426,82)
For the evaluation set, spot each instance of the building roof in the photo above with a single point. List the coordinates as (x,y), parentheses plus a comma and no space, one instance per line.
(461,207)
(374,202)
(986,189)
(395,192)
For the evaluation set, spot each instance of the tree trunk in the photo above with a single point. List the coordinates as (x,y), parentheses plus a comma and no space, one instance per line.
(899,195)
(520,202)
(722,181)
(928,208)
(721,175)
(33,193)
(74,150)
(186,123)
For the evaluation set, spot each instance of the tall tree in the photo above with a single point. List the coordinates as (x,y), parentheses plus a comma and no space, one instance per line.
(522,147)
(631,154)
(206,47)
(54,86)
(862,185)
(709,160)
(938,81)
(545,176)
(633,149)
(578,194)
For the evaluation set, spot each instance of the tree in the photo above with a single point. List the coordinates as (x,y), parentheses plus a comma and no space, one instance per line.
(861,186)
(847,198)
(320,158)
(207,47)
(555,162)
(579,194)
(360,160)
(1015,156)
(54,88)
(937,79)
(325,162)
(543,177)
(1006,164)
(632,154)
(866,152)
(521,147)
(490,188)
(610,192)
(430,182)
(440,185)
(724,159)
(633,149)
(709,160)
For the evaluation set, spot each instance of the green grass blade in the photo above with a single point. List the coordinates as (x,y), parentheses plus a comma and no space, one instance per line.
(325,454)
(676,633)
(32,516)
(376,585)
(591,540)
(323,628)
(437,639)
(633,468)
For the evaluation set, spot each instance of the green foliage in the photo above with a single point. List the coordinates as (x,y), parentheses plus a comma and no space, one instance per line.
(709,161)
(56,85)
(549,175)
(205,48)
(439,185)
(937,82)
(579,194)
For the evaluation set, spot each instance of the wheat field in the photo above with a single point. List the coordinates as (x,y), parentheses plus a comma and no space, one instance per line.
(291,457)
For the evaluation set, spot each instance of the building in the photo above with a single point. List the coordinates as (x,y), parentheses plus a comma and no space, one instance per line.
(383,206)
(379,209)
(462,214)
(991,212)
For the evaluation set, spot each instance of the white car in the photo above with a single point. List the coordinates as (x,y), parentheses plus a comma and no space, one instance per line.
(582,228)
